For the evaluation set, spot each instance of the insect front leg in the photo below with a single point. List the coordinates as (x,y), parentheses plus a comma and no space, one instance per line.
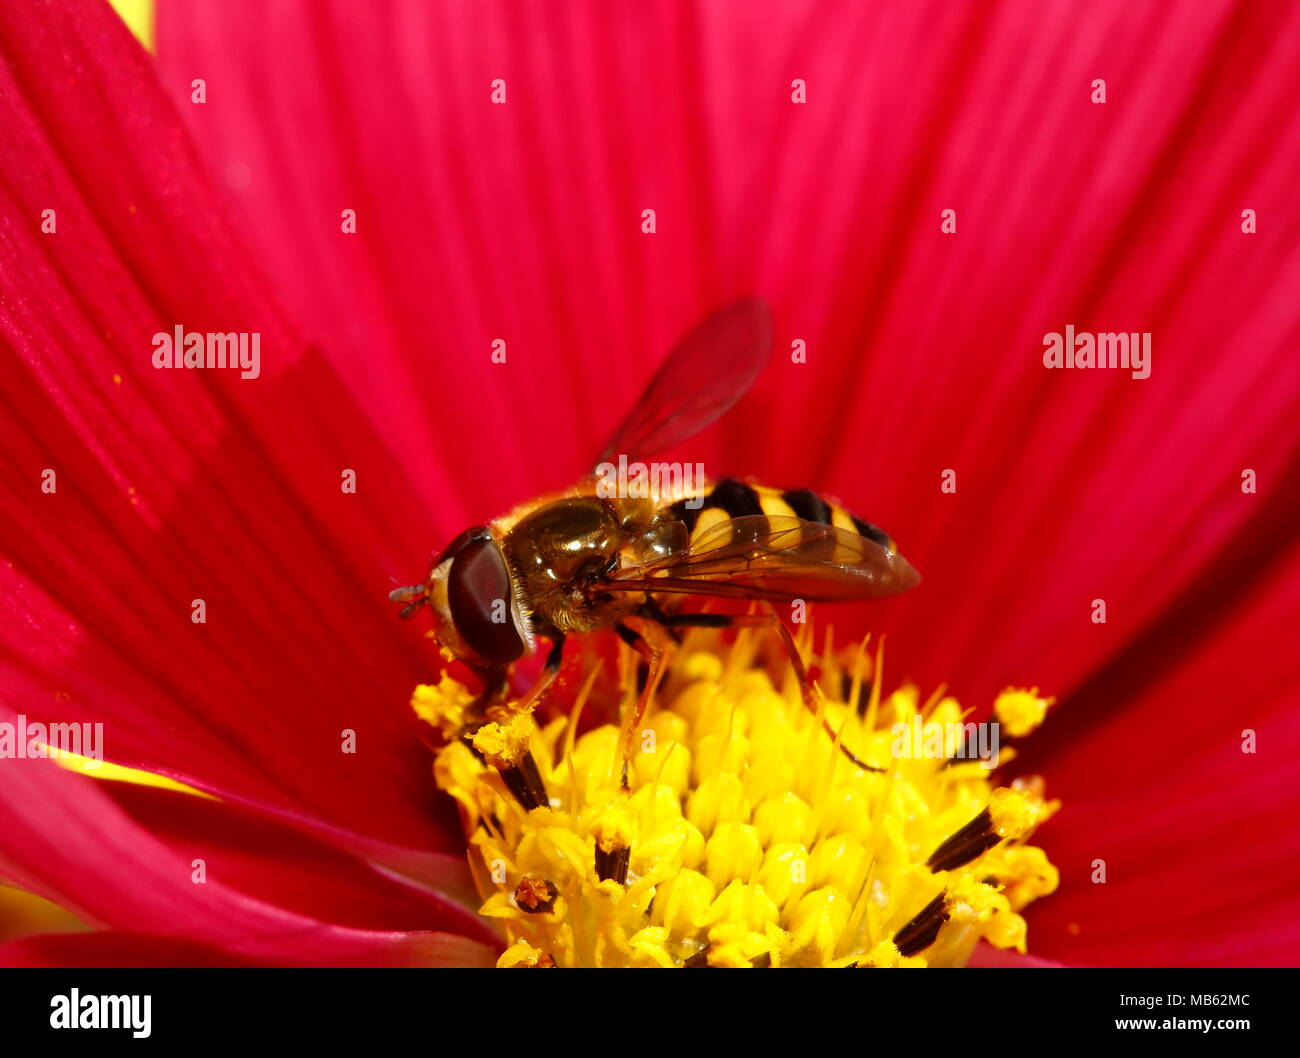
(550,670)
(493,679)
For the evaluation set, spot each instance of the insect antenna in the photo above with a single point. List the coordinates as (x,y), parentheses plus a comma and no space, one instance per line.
(413,595)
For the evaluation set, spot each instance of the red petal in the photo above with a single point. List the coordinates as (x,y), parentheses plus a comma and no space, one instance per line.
(1201,852)
(111,949)
(302,874)
(987,957)
(182,485)
(114,949)
(258,898)
(925,349)
(1123,216)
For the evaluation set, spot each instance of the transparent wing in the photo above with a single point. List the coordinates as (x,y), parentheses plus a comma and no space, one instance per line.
(705,374)
(775,558)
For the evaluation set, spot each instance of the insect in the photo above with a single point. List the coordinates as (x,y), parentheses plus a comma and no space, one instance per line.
(571,563)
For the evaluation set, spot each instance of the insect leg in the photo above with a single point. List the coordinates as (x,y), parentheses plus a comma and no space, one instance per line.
(654,661)
(549,671)
(771,620)
(651,610)
(494,685)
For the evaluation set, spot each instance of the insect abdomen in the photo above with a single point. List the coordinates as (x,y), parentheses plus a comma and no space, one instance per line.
(732,498)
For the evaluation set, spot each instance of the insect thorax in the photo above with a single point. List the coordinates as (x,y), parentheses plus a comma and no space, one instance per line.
(563,551)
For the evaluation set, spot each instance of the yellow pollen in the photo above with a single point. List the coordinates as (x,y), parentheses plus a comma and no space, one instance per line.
(504,744)
(442,705)
(522,955)
(615,828)
(1024,871)
(1015,812)
(1021,711)
(746,836)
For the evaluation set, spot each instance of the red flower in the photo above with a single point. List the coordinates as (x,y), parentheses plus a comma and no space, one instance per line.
(522,221)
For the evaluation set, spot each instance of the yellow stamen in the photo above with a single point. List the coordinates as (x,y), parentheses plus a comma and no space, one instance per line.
(745,837)
(1020,711)
(442,705)
(522,955)
(504,745)
(1014,812)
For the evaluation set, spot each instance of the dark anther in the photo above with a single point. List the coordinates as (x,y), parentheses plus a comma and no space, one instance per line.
(525,782)
(536,896)
(975,837)
(489,824)
(763,962)
(534,776)
(920,933)
(612,866)
(698,961)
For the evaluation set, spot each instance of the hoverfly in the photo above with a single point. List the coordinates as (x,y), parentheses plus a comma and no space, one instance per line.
(580,560)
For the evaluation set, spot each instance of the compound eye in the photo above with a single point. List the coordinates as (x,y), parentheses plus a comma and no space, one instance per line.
(478,592)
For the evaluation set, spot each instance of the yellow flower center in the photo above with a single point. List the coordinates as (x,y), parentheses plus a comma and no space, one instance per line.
(746,836)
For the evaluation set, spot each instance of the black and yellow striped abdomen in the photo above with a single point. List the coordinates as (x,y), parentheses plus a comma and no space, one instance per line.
(732,498)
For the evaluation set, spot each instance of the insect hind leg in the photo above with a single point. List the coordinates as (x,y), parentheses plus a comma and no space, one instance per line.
(654,673)
(771,620)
